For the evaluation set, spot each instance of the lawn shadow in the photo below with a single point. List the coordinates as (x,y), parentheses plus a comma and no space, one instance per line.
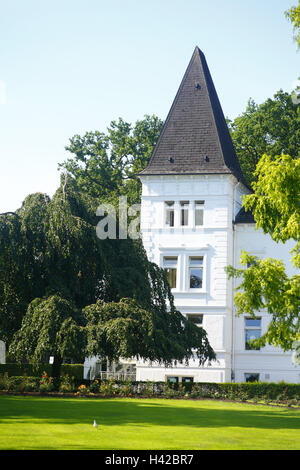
(118,412)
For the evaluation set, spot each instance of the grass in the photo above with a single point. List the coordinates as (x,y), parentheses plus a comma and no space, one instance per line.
(31,423)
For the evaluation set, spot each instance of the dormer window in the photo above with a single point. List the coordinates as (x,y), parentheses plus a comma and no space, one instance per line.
(199,209)
(184,212)
(169,213)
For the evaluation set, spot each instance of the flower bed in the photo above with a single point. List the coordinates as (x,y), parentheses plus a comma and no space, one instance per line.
(256,392)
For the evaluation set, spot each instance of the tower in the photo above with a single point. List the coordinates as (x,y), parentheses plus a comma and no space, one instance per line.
(193,225)
(192,190)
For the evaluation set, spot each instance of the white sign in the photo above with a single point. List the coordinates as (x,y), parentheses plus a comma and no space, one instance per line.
(2,352)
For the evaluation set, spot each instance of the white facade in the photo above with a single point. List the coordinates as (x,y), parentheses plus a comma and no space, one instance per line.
(218,242)
(192,191)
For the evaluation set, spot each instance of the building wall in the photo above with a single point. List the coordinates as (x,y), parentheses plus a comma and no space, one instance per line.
(271,363)
(220,243)
(213,240)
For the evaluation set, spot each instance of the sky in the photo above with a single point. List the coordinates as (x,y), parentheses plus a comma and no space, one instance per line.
(69,66)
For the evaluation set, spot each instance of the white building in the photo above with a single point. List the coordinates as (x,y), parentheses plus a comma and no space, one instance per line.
(192,224)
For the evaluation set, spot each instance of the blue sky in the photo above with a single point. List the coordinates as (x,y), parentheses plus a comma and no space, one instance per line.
(69,66)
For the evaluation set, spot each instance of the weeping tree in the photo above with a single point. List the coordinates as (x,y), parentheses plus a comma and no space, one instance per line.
(126,330)
(51,327)
(69,294)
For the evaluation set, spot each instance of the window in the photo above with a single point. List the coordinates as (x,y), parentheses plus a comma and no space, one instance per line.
(187,379)
(169,213)
(173,380)
(251,377)
(170,267)
(252,331)
(195,318)
(184,212)
(196,272)
(179,379)
(199,205)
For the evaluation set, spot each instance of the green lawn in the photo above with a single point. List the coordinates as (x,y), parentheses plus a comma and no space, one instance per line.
(67,423)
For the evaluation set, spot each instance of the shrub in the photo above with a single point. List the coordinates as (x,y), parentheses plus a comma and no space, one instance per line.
(108,388)
(83,390)
(148,389)
(46,383)
(67,384)
(4,381)
(94,386)
(32,370)
(31,384)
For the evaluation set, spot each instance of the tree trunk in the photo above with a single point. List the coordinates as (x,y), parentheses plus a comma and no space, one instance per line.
(56,367)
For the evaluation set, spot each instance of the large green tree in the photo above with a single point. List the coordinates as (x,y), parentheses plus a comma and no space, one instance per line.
(271,128)
(47,247)
(54,269)
(104,165)
(265,283)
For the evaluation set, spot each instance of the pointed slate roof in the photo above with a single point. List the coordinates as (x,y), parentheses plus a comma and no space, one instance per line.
(195,138)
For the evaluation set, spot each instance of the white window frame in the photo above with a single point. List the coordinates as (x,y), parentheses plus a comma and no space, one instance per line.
(167,208)
(177,271)
(196,289)
(251,373)
(194,212)
(180,377)
(184,206)
(195,314)
(183,254)
(256,328)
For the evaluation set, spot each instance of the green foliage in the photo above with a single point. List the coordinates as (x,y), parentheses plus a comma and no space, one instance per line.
(272,128)
(293,14)
(50,326)
(46,383)
(47,247)
(60,269)
(275,201)
(125,329)
(104,165)
(36,370)
(280,392)
(265,284)
(67,384)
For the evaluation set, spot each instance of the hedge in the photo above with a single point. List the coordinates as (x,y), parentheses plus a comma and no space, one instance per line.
(258,391)
(14,369)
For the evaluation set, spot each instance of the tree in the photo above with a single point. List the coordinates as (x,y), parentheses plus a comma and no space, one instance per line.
(54,269)
(22,257)
(275,205)
(104,165)
(125,329)
(47,247)
(51,327)
(271,128)
(293,14)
